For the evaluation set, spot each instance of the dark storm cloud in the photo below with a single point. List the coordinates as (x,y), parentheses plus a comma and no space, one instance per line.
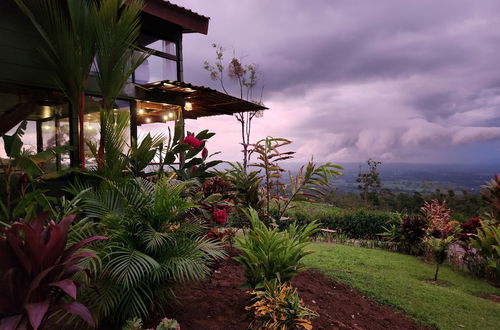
(374,78)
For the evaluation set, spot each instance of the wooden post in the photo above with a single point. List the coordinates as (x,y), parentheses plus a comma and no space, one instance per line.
(39,136)
(182,156)
(133,123)
(178,53)
(73,136)
(56,137)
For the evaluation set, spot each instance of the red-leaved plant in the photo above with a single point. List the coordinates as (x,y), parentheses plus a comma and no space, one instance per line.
(36,271)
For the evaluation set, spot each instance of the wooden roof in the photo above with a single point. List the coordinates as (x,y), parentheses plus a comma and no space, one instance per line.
(188,20)
(205,101)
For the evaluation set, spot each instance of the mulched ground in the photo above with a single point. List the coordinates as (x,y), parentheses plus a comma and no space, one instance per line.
(219,303)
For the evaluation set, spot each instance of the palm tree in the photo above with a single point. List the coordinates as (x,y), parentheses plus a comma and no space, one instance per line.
(77,31)
(117,29)
(67,28)
(150,247)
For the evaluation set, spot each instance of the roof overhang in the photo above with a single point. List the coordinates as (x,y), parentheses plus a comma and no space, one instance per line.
(188,20)
(204,101)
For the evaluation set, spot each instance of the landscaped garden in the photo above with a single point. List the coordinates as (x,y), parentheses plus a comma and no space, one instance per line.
(190,244)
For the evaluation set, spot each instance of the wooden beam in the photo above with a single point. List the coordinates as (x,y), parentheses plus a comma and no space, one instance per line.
(188,20)
(15,115)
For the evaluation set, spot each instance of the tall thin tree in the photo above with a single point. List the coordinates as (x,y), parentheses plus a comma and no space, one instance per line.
(67,28)
(117,28)
(246,77)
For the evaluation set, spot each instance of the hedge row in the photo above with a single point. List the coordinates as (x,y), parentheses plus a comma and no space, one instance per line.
(353,223)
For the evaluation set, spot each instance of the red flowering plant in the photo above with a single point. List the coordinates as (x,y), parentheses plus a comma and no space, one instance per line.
(438,216)
(36,273)
(441,231)
(188,156)
(215,204)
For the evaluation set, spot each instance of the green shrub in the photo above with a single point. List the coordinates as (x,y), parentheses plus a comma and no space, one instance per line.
(150,248)
(354,223)
(269,254)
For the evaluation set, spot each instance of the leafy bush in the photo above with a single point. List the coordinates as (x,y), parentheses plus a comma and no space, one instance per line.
(413,230)
(354,223)
(269,254)
(491,195)
(151,247)
(36,272)
(165,324)
(278,306)
(487,245)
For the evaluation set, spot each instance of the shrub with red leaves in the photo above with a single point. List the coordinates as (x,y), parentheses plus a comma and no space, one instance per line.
(413,230)
(215,185)
(470,228)
(36,271)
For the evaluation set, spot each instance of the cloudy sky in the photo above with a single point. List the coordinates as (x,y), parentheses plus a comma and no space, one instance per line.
(395,80)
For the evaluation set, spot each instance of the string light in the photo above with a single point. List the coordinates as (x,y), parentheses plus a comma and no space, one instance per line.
(148,120)
(141,111)
(188,106)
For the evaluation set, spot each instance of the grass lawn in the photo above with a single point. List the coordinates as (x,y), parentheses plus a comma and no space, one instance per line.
(400,281)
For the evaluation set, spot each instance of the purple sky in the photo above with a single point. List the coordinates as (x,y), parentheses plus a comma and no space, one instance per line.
(398,81)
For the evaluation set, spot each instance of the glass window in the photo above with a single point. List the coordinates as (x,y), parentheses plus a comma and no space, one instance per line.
(162,46)
(156,68)
(92,125)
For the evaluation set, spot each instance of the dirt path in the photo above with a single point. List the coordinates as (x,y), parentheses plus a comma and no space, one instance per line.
(219,303)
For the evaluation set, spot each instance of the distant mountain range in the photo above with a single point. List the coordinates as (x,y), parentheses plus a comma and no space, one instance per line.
(424,178)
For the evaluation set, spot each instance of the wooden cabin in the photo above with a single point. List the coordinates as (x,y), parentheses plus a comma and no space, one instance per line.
(156,93)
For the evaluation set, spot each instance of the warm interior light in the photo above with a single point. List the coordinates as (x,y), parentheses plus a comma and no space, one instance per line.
(171,115)
(188,106)
(46,127)
(165,117)
(148,120)
(141,111)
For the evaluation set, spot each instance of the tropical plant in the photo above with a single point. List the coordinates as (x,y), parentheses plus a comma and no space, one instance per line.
(439,248)
(245,191)
(309,185)
(36,272)
(268,254)
(117,27)
(268,156)
(151,247)
(491,195)
(278,306)
(413,229)
(437,214)
(487,245)
(392,232)
(68,30)
(20,174)
(165,324)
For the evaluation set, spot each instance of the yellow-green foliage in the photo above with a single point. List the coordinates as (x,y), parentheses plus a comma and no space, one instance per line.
(278,306)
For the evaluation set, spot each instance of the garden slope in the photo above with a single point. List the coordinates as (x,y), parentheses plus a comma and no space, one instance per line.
(219,303)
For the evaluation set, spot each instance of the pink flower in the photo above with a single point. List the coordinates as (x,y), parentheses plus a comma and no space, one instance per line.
(192,141)
(220,216)
(204,153)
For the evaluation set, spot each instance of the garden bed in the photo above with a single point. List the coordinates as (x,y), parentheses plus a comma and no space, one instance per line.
(219,303)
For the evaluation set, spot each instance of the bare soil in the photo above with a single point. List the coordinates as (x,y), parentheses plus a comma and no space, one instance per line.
(219,303)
